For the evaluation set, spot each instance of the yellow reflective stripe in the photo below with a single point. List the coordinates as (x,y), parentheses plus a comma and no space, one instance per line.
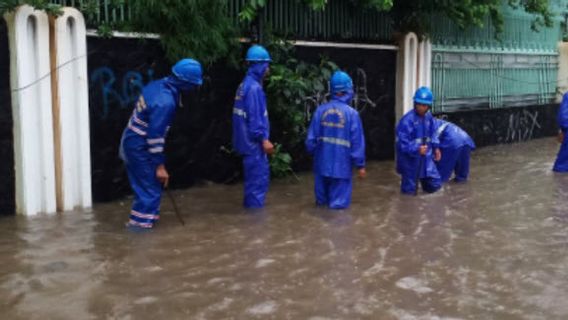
(341,142)
(419,140)
(441,128)
(239,112)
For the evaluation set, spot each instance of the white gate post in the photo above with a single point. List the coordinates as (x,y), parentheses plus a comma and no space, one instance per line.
(28,31)
(71,110)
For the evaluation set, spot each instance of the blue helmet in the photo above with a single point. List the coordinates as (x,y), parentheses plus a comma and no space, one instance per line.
(340,81)
(188,70)
(423,96)
(257,53)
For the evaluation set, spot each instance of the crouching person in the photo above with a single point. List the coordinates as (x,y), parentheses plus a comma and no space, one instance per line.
(456,146)
(417,146)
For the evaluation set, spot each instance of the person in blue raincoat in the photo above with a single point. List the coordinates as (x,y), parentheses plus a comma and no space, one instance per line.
(143,139)
(335,139)
(561,163)
(417,146)
(251,128)
(456,146)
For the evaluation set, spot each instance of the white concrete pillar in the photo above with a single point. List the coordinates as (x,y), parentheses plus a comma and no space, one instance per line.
(31,104)
(407,76)
(562,70)
(425,63)
(71,110)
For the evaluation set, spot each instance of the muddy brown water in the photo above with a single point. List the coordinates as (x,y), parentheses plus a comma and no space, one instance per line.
(494,248)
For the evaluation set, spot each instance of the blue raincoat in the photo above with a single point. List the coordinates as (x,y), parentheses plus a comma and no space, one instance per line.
(336,140)
(411,132)
(456,146)
(142,146)
(561,163)
(250,128)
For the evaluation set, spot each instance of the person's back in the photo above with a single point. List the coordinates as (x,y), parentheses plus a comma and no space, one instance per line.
(335,138)
(339,124)
(456,146)
(452,136)
(152,114)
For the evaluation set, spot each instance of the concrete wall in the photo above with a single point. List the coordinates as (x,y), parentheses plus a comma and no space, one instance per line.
(507,125)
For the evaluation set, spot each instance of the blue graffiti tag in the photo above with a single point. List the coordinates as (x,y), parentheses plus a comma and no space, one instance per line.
(104,79)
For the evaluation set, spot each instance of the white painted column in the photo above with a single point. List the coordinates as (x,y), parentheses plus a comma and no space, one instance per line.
(71,110)
(425,64)
(31,103)
(562,70)
(407,66)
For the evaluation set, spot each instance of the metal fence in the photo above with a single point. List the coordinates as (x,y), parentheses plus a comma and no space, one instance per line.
(474,80)
(339,21)
(470,68)
(97,12)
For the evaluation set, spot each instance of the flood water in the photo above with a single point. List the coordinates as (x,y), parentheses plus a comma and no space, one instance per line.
(494,248)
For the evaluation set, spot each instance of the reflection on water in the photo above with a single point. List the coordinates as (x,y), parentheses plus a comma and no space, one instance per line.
(494,248)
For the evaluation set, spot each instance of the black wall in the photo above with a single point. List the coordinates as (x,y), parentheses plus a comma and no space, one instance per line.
(374,77)
(7,180)
(198,146)
(489,127)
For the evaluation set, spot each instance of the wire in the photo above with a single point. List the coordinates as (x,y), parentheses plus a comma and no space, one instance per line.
(50,72)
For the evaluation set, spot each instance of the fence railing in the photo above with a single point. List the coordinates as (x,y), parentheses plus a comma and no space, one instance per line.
(517,34)
(470,68)
(474,80)
(99,12)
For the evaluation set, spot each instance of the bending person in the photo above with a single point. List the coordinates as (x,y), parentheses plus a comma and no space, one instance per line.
(143,139)
(456,146)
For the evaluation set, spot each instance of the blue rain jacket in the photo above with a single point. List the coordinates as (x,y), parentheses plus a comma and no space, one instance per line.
(336,139)
(250,116)
(450,136)
(561,163)
(147,128)
(411,132)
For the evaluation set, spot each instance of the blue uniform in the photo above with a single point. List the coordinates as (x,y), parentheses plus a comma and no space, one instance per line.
(336,140)
(250,128)
(142,147)
(561,163)
(456,146)
(411,132)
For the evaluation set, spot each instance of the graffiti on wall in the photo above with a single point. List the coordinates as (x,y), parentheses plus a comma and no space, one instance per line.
(522,125)
(117,92)
(361,99)
(489,127)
